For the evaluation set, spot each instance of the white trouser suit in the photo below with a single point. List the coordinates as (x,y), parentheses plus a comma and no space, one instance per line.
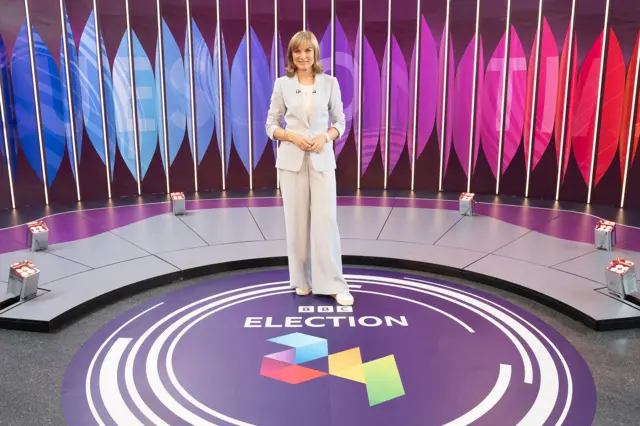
(308,182)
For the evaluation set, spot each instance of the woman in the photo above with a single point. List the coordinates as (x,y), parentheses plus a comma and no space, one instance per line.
(309,100)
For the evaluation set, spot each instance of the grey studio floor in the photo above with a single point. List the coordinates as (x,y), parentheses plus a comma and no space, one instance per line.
(32,365)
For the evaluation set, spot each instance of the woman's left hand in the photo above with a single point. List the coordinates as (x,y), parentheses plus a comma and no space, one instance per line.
(317,143)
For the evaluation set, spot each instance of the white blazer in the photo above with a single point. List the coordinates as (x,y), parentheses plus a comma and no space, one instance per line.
(325,112)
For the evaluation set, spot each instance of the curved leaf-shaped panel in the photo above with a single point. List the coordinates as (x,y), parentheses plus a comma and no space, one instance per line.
(176,92)
(371,105)
(4,75)
(239,103)
(347,78)
(450,93)
(585,108)
(611,115)
(24,102)
(261,87)
(123,109)
(146,106)
(76,91)
(632,75)
(566,123)
(206,104)
(546,94)
(90,92)
(226,91)
(428,91)
(51,106)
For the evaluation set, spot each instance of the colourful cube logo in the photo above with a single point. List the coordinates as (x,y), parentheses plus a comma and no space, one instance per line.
(380,376)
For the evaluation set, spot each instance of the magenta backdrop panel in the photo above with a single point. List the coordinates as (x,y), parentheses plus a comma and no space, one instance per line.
(462,23)
(431,75)
(550,98)
(207,94)
(374,17)
(234,57)
(611,144)
(262,21)
(402,87)
(347,70)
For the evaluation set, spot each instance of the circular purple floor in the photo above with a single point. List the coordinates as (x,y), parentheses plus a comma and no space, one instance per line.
(246,350)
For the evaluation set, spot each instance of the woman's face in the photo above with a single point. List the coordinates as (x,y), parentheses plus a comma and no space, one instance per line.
(303,56)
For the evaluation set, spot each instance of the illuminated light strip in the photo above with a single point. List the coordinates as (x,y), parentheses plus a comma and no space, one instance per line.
(276,48)
(134,106)
(533,99)
(473,97)
(503,101)
(72,121)
(250,115)
(192,90)
(220,97)
(103,108)
(415,99)
(360,69)
(163,94)
(5,135)
(445,83)
(36,99)
(304,15)
(333,37)
(603,56)
(387,132)
(566,97)
(634,105)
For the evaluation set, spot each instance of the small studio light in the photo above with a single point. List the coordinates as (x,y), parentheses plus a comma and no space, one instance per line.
(605,235)
(467,204)
(23,280)
(37,235)
(178,202)
(621,278)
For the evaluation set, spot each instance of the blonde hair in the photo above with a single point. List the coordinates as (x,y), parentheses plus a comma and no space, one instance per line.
(298,39)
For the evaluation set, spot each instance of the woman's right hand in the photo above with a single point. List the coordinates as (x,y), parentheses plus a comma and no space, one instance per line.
(301,142)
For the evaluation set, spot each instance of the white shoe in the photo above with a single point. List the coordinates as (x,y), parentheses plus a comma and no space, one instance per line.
(344,299)
(302,292)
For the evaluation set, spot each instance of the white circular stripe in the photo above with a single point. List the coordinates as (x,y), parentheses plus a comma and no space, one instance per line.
(549,388)
(567,371)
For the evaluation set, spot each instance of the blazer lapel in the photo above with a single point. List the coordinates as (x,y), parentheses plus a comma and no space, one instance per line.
(300,111)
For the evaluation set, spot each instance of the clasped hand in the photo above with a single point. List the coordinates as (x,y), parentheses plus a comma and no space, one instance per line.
(316,144)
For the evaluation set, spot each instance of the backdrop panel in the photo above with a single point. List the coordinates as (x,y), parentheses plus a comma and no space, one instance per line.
(207,95)
(234,89)
(347,70)
(20,105)
(262,22)
(374,92)
(462,24)
(611,144)
(430,104)
(402,85)
(117,94)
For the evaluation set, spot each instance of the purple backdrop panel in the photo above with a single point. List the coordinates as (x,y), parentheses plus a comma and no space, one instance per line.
(612,144)
(92,161)
(178,136)
(489,90)
(517,115)
(588,34)
(551,116)
(374,92)
(20,106)
(404,24)
(347,70)
(262,21)
(52,91)
(431,75)
(207,93)
(319,23)
(117,84)
(462,24)
(234,72)
(144,26)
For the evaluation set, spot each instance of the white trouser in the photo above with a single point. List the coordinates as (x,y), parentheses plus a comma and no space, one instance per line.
(313,240)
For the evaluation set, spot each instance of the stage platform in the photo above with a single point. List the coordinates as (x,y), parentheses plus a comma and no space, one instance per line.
(99,254)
